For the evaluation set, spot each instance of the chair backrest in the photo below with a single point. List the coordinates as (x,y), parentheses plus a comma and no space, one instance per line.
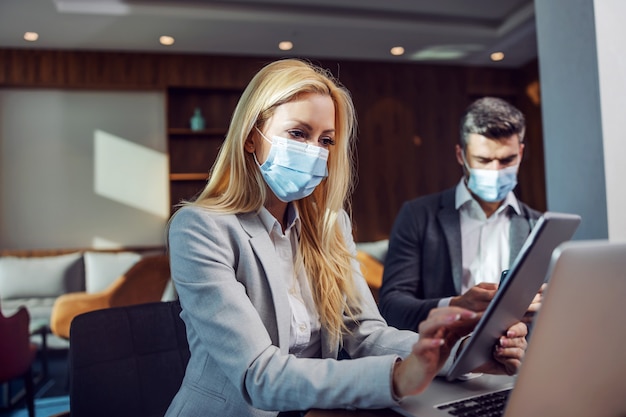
(127,361)
(16,353)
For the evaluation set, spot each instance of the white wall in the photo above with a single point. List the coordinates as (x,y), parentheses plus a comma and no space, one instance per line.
(610,35)
(82,169)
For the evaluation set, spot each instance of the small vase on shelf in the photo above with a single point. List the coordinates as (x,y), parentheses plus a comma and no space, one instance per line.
(197,121)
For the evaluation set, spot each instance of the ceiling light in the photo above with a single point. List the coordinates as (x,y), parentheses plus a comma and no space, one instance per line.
(497,56)
(31,36)
(397,51)
(285,46)
(445,52)
(166,40)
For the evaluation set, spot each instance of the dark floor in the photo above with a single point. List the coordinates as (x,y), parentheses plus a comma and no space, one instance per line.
(56,384)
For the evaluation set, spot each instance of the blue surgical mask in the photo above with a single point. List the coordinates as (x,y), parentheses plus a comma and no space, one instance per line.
(293,169)
(492,185)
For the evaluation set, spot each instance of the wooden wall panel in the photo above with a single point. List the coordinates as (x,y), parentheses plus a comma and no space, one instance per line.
(408,113)
(121,70)
(409,122)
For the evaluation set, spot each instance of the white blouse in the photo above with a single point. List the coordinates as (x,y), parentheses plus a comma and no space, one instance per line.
(304,339)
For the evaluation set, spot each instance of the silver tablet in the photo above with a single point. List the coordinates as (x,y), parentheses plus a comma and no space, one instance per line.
(517,290)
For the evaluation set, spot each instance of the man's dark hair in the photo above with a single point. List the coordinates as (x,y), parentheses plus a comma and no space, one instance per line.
(493,118)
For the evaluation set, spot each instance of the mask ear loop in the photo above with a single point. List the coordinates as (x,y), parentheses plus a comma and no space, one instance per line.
(264,137)
(256,160)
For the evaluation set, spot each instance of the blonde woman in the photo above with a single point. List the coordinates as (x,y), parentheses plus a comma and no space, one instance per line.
(263,261)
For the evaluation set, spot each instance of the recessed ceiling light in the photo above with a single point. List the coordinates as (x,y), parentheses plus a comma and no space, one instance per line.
(397,51)
(285,46)
(31,36)
(445,52)
(166,40)
(497,56)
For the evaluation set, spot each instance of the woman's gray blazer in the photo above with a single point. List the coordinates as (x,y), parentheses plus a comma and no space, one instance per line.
(238,322)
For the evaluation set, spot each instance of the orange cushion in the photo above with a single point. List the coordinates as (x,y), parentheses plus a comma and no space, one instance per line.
(372,270)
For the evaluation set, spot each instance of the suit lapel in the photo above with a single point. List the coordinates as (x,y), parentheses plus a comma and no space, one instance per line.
(450,223)
(264,250)
(520,229)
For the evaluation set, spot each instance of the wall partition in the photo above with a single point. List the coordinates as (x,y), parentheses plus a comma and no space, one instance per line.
(82,169)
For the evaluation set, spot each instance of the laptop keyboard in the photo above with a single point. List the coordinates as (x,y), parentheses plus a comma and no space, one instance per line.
(486,405)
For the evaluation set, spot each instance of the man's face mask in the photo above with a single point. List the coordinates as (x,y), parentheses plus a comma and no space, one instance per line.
(491,185)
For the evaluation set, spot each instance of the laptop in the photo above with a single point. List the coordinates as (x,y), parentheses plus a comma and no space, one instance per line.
(517,291)
(575,365)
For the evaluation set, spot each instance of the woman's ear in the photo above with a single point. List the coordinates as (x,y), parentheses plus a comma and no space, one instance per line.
(249,144)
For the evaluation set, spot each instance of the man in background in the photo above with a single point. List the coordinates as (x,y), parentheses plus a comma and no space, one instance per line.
(450,248)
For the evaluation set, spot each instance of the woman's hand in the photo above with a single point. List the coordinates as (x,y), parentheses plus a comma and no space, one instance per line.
(509,352)
(438,334)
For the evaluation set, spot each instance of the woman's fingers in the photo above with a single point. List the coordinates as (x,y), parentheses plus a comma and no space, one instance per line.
(427,344)
(413,374)
(445,317)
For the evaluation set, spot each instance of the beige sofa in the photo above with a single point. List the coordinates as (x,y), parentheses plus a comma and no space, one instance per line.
(36,278)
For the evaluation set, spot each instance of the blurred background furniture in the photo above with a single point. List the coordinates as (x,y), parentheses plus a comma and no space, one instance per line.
(17,353)
(35,278)
(372,270)
(127,361)
(371,256)
(145,282)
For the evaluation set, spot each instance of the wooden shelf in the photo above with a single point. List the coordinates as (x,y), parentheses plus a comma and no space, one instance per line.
(193,152)
(189,176)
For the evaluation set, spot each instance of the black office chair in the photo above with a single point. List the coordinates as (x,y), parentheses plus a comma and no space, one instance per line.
(127,361)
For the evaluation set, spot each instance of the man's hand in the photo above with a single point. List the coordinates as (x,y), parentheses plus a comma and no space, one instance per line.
(476,298)
(508,353)
(534,306)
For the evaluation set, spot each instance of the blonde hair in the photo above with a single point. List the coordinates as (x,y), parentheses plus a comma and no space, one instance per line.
(235,183)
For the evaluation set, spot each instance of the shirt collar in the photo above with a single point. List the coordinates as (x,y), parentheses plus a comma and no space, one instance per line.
(270,223)
(463,197)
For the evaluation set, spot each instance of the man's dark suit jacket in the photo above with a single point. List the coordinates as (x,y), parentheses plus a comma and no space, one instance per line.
(424,261)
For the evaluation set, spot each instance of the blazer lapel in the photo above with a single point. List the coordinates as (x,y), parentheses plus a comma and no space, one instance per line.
(520,229)
(264,249)
(451,225)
